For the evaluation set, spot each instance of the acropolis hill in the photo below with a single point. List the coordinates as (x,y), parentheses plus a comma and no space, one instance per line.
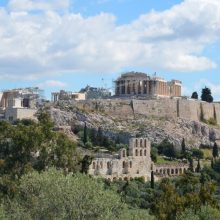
(144,111)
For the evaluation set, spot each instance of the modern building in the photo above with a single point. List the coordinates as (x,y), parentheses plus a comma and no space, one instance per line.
(141,84)
(20,103)
(65,95)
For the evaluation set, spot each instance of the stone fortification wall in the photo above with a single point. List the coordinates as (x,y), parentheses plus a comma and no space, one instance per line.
(171,108)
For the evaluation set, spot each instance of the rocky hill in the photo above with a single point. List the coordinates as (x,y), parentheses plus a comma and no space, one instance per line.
(125,125)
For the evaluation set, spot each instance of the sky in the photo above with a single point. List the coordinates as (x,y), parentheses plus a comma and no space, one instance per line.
(68,44)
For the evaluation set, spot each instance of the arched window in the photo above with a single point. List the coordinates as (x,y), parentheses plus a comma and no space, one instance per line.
(108,165)
(172,171)
(141,143)
(176,171)
(145,153)
(93,165)
(124,153)
(145,143)
(136,143)
(136,152)
(140,152)
(130,164)
(101,164)
(123,164)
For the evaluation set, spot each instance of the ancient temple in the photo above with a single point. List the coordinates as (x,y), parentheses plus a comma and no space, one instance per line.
(141,84)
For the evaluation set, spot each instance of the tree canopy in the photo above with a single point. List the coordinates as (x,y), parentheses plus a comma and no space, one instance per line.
(206,95)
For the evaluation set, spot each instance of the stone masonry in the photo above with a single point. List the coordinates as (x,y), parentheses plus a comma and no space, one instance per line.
(132,164)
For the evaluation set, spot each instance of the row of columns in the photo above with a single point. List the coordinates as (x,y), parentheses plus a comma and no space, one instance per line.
(147,87)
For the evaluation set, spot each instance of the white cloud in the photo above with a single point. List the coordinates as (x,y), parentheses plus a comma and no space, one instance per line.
(50,42)
(30,5)
(52,83)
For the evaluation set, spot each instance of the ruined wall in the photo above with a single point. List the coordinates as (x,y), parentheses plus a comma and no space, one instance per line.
(172,108)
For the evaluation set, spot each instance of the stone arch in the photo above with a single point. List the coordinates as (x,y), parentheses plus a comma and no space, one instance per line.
(140,152)
(126,178)
(180,171)
(114,178)
(101,164)
(145,152)
(164,171)
(136,152)
(136,142)
(93,165)
(176,171)
(108,165)
(172,171)
(124,153)
(145,143)
(123,164)
(130,164)
(168,171)
(141,143)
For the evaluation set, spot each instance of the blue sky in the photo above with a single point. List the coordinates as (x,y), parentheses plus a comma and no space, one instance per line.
(67,44)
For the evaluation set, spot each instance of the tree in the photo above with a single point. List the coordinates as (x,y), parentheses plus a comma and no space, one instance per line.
(85,135)
(183,146)
(198,168)
(215,150)
(53,195)
(152,180)
(194,95)
(206,95)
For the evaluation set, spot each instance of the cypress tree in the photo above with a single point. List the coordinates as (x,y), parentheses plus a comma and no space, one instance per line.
(212,163)
(198,168)
(183,145)
(85,135)
(215,151)
(191,167)
(152,180)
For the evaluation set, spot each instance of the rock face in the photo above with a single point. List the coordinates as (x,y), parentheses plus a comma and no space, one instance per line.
(156,129)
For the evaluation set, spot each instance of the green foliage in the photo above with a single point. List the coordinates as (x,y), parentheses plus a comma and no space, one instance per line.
(166,148)
(197,153)
(152,180)
(194,95)
(154,154)
(85,135)
(212,121)
(27,146)
(215,152)
(206,95)
(205,213)
(53,195)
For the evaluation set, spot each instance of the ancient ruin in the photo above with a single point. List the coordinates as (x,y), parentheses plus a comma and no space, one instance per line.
(132,164)
(141,84)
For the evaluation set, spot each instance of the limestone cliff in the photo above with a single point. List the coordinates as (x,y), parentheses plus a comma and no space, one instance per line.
(127,118)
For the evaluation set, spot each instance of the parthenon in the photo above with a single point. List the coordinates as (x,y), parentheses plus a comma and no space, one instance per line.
(141,84)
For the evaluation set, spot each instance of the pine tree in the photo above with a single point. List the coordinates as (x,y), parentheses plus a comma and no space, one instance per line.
(152,180)
(206,95)
(85,135)
(215,151)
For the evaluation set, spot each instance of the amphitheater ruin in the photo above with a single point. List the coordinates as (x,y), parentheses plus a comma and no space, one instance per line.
(133,164)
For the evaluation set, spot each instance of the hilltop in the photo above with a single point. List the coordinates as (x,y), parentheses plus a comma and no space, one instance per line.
(155,119)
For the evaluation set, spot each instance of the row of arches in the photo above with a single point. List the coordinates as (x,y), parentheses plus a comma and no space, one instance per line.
(142,143)
(140,152)
(100,165)
(170,171)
